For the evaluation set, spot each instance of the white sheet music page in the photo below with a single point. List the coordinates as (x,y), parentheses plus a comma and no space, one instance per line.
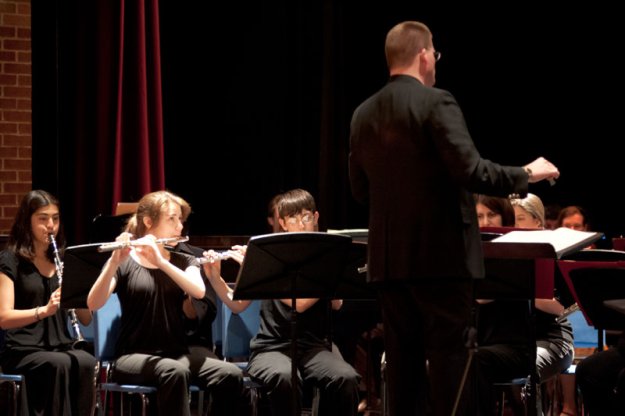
(562,239)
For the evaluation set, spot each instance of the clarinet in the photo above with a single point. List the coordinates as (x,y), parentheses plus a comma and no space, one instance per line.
(79,341)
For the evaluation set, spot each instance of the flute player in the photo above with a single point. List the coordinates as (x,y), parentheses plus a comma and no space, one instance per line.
(153,286)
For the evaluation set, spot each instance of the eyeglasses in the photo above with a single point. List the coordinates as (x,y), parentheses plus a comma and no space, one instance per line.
(437,55)
(296,219)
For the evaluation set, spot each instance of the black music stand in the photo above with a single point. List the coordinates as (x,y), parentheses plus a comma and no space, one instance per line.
(512,273)
(81,268)
(594,284)
(292,265)
(521,266)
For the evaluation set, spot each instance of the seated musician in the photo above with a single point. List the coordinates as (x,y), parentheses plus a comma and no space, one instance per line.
(58,377)
(152,284)
(503,325)
(270,361)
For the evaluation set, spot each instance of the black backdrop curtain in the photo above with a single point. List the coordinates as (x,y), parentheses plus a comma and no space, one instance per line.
(257,99)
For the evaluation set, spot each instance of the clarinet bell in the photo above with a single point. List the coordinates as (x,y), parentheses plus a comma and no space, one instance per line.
(81,344)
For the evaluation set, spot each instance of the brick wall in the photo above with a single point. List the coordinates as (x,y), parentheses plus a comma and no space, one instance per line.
(15,107)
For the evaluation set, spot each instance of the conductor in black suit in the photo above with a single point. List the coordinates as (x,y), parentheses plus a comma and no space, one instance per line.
(413,160)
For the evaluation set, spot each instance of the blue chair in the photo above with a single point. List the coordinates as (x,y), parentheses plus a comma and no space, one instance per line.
(237,332)
(106,325)
(584,336)
(15,382)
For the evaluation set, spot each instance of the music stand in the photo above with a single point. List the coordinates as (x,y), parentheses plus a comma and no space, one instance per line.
(81,268)
(520,270)
(592,283)
(292,265)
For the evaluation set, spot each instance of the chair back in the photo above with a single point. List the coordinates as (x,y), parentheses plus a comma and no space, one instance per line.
(238,330)
(106,325)
(585,337)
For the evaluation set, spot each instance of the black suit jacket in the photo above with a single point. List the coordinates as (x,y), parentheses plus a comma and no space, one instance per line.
(413,160)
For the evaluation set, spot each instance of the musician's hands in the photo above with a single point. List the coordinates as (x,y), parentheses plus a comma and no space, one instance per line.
(52,306)
(118,256)
(146,248)
(212,269)
(237,253)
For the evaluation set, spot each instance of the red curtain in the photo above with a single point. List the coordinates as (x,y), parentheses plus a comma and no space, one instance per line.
(138,163)
(110,108)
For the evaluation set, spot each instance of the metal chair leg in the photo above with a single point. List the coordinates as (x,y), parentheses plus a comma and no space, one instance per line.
(144,404)
(315,402)
(14,387)
(16,391)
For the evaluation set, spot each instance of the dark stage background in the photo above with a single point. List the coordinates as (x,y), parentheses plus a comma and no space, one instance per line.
(257,99)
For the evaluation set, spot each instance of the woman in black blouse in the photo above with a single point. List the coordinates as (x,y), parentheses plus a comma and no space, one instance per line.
(59,379)
(155,287)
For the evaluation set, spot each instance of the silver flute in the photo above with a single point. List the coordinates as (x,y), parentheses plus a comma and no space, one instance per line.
(216,256)
(116,245)
(79,341)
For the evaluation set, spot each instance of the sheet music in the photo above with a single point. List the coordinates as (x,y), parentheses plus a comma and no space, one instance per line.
(562,239)
(357,234)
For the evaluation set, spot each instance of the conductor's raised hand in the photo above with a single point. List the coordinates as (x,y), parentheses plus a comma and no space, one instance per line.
(541,169)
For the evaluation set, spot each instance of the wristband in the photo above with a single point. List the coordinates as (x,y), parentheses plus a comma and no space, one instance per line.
(37,313)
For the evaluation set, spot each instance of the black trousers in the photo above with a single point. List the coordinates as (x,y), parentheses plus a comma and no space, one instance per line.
(57,382)
(427,321)
(172,376)
(337,380)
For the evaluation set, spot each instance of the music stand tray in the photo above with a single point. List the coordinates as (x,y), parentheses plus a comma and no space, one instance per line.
(81,267)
